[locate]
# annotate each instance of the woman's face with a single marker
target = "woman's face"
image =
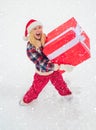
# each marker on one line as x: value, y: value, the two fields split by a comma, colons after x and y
x: 37, y: 32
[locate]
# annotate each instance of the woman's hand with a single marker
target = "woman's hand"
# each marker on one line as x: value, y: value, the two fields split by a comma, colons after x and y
x: 66, y: 67
x: 56, y: 67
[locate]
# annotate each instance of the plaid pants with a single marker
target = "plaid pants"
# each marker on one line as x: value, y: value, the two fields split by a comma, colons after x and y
x: 40, y: 82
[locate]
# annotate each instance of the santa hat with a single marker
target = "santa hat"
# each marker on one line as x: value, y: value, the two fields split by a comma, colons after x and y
x: 30, y: 25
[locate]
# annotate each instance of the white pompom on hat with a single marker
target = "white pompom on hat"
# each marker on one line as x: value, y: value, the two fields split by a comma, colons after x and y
x: 29, y: 26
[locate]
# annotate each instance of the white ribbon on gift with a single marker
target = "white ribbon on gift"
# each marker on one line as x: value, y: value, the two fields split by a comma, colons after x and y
x: 79, y: 38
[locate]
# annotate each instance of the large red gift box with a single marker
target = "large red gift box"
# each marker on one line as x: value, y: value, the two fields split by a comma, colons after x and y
x: 67, y: 44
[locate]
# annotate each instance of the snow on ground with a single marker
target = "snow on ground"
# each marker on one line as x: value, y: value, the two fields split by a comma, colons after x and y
x: 50, y: 111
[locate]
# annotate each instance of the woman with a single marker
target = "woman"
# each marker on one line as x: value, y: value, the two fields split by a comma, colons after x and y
x: 45, y: 70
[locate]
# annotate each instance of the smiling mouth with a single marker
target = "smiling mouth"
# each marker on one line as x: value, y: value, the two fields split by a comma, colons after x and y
x: 38, y: 35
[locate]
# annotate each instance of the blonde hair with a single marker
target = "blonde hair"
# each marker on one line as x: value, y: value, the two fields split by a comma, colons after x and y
x: 35, y: 42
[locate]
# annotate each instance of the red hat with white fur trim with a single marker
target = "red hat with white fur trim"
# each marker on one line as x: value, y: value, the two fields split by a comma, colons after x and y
x: 30, y: 25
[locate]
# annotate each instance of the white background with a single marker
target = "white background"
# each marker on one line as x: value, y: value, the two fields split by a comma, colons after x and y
x: 50, y: 111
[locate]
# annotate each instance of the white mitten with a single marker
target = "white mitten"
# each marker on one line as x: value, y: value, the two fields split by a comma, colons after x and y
x: 66, y: 67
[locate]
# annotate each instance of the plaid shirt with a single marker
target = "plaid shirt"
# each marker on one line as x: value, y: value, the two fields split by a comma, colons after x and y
x: 41, y: 62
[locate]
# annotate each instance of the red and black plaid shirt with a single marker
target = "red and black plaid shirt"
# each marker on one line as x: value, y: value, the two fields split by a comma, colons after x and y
x: 41, y: 62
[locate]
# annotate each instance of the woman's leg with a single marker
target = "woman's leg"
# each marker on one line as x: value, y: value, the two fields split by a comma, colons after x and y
x: 57, y: 80
x: 37, y: 86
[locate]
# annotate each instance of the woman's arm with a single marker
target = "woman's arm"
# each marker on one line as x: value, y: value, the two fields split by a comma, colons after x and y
x: 39, y: 59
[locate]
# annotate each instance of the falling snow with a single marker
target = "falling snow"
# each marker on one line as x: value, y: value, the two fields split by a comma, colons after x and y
x: 50, y: 111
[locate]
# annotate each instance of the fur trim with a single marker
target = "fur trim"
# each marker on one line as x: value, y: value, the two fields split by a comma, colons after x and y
x: 25, y: 38
x: 34, y: 24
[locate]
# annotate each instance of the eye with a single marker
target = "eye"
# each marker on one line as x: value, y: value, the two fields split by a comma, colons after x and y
x: 40, y: 27
x: 34, y: 28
